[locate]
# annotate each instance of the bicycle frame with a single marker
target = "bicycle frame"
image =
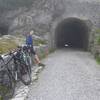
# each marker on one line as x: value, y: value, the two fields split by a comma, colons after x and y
x: 16, y: 61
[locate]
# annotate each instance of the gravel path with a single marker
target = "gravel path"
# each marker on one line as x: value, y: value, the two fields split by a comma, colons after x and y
x: 69, y: 75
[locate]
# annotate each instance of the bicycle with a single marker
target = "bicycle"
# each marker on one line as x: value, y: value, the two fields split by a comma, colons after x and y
x: 7, y: 83
x: 23, y: 70
x: 25, y: 57
x: 27, y: 52
x: 18, y: 70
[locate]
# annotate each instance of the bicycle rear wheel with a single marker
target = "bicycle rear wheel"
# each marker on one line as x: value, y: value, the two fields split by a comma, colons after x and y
x: 7, y: 85
x: 29, y: 61
x: 24, y: 73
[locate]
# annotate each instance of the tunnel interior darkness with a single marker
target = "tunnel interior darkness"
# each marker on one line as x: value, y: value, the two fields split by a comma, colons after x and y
x: 3, y: 29
x: 73, y: 32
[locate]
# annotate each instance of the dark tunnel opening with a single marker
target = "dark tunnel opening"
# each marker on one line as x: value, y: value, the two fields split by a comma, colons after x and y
x: 73, y: 32
x: 4, y: 29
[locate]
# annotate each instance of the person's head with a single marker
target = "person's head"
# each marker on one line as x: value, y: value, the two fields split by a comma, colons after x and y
x: 31, y: 32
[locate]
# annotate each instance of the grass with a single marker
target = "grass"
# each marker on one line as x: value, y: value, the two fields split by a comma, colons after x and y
x: 97, y: 37
x: 97, y: 55
x: 38, y: 42
x: 7, y: 45
x: 42, y: 55
x: 1, y: 98
x: 51, y: 50
x: 11, y: 42
x: 98, y: 59
x: 3, y: 91
x: 97, y: 30
x: 98, y: 40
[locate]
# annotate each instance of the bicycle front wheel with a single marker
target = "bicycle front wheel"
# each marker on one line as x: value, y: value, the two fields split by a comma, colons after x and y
x: 24, y: 73
x: 7, y: 85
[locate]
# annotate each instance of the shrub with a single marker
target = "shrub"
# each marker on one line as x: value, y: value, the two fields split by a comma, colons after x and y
x: 98, y: 36
x: 98, y: 59
x: 97, y: 30
x: 52, y: 50
x: 98, y: 40
x: 38, y: 42
x: 6, y: 45
x: 1, y: 98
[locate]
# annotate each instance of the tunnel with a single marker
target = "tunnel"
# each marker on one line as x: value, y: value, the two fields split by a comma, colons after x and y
x: 3, y: 29
x: 72, y: 32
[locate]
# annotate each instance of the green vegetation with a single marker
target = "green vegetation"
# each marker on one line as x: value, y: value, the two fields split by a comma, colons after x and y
x: 98, y: 59
x: 42, y: 55
x: 98, y: 36
x: 6, y: 45
x: 97, y: 30
x: 38, y: 42
x: 1, y: 98
x: 3, y: 91
x: 52, y: 50
x: 97, y: 39
x: 8, y: 42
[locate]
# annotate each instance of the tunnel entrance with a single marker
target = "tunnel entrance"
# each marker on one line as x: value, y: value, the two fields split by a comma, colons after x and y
x: 4, y: 27
x: 73, y: 32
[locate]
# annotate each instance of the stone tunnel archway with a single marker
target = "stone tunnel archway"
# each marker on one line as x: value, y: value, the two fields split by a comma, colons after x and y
x: 72, y: 31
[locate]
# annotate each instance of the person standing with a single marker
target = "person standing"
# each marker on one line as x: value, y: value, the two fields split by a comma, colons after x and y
x: 29, y: 42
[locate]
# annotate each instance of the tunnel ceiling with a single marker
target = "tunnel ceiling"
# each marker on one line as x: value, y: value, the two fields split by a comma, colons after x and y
x: 72, y: 31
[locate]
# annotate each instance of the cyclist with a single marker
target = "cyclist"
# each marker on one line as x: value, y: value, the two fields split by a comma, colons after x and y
x: 29, y: 42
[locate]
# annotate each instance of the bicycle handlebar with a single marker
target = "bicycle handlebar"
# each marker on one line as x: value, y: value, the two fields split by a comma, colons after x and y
x: 12, y: 52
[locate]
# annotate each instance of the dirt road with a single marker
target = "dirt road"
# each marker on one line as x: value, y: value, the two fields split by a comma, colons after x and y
x: 69, y: 75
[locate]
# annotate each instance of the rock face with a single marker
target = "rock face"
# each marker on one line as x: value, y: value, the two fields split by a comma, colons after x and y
x: 43, y: 16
